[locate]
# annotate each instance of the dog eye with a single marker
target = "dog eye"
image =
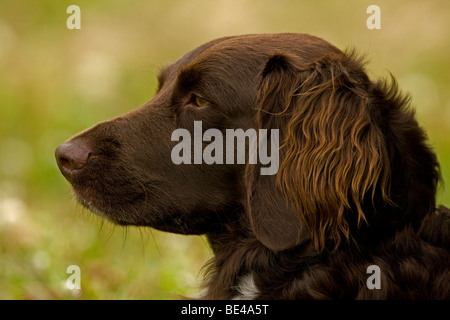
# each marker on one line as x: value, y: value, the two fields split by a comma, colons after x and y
x: 199, y: 102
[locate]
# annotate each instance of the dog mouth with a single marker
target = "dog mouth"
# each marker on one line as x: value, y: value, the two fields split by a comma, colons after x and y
x: 132, y: 209
x: 140, y: 212
x: 92, y: 206
x: 118, y: 208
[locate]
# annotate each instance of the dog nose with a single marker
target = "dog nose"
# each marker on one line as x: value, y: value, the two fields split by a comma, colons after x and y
x: 72, y: 157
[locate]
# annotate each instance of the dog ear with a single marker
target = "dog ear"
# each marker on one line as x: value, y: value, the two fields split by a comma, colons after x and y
x: 333, y: 156
x: 274, y: 221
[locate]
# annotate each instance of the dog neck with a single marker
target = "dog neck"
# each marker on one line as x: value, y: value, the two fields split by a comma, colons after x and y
x: 242, y: 264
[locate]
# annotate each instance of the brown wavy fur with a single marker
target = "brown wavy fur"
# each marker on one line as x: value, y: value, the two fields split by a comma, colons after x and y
x: 356, y: 184
x: 334, y: 155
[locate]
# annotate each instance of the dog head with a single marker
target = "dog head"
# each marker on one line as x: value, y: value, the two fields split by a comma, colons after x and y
x: 351, y: 155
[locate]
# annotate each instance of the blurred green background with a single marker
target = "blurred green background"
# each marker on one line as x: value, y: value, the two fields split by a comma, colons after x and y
x: 55, y: 82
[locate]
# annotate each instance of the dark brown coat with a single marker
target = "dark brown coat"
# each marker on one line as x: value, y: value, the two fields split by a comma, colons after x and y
x: 356, y: 184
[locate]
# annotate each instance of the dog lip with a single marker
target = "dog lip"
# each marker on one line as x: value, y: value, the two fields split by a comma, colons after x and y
x: 91, y: 203
x: 105, y: 206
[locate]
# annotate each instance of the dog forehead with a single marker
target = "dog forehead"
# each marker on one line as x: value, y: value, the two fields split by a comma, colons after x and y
x: 253, y: 50
x: 171, y: 70
x: 221, y: 53
x: 240, y: 56
x: 243, y: 57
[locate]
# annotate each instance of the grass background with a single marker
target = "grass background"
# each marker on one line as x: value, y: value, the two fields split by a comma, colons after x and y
x: 55, y: 82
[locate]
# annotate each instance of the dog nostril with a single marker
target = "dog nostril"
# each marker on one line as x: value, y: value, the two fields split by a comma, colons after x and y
x: 71, y: 156
x: 64, y: 163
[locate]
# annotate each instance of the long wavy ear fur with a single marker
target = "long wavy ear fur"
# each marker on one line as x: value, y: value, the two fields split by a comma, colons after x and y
x: 333, y: 155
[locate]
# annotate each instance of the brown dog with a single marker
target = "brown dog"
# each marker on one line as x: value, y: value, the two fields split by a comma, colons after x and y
x: 350, y: 212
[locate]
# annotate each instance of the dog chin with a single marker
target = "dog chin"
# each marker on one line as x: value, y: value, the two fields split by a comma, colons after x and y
x: 117, y: 215
x: 89, y: 204
x: 99, y: 210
